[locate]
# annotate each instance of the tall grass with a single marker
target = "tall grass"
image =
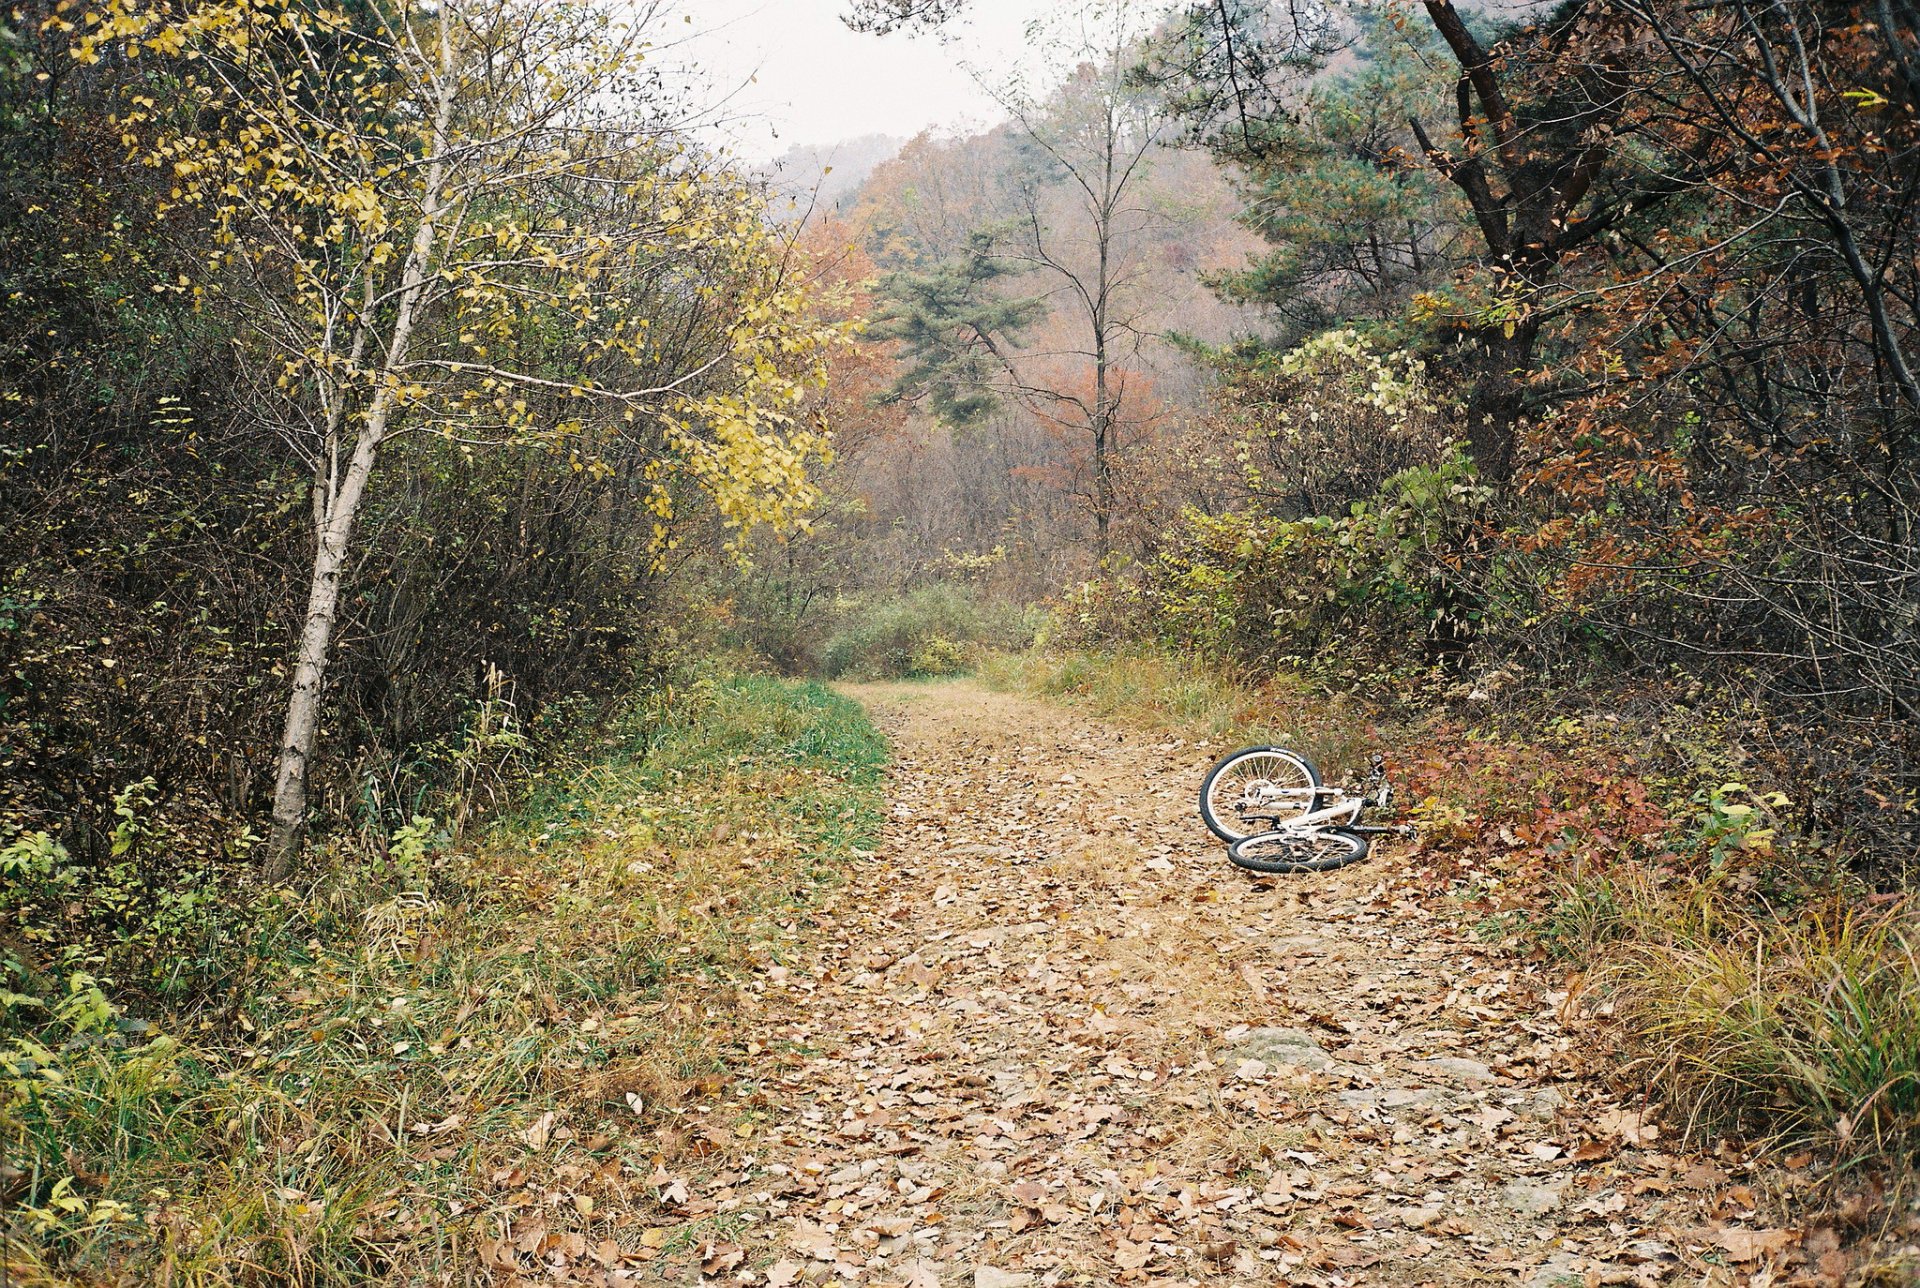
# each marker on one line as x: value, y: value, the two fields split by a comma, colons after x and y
x: 370, y: 1111
x: 1802, y: 1027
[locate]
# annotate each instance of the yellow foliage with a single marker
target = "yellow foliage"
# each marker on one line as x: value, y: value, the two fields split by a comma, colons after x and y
x: 417, y: 162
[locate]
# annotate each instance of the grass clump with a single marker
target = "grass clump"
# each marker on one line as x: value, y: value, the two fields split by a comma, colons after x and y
x: 935, y: 631
x: 508, y: 1039
x: 1802, y: 1028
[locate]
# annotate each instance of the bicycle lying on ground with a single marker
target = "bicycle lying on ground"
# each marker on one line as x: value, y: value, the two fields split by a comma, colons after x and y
x: 1276, y: 815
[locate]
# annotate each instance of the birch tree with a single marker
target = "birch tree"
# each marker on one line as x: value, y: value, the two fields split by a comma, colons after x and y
x: 401, y: 200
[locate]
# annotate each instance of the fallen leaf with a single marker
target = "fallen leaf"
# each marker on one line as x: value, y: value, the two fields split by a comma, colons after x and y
x: 541, y: 1131
x: 719, y: 1258
x: 810, y: 1239
x: 1751, y: 1245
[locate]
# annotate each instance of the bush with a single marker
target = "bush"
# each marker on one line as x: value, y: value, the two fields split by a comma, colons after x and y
x: 1382, y: 586
x: 939, y: 630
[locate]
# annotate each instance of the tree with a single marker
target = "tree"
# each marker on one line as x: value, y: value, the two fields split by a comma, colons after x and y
x: 882, y: 16
x: 1356, y: 222
x: 1091, y: 137
x: 1094, y: 136
x: 440, y: 218
x: 958, y: 337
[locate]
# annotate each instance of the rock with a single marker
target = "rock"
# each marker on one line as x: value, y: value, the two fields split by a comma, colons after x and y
x: 1543, y: 1104
x: 1409, y: 1098
x: 1529, y: 1199
x: 1284, y: 1046
x: 1390, y: 1098
x: 1420, y: 1218
x: 1455, y: 1069
x: 988, y: 1277
x: 1643, y: 1250
x: 1563, y: 1270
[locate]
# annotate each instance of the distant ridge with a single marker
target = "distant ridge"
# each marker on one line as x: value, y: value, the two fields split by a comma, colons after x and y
x: 823, y: 176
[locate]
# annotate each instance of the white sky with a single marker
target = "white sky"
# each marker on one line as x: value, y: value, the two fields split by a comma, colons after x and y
x: 819, y: 82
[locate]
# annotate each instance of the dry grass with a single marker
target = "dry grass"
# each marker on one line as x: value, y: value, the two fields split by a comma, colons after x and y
x: 1158, y: 691
x: 1804, y: 1027
x: 533, y: 1024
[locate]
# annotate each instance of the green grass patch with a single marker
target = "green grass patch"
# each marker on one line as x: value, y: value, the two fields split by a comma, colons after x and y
x: 533, y: 1013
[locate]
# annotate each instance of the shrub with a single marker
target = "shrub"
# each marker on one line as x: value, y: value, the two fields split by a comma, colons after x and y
x: 939, y: 630
x: 1387, y: 585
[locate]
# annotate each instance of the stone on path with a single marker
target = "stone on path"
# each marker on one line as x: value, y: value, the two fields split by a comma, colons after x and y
x: 1529, y: 1199
x: 1455, y: 1069
x: 1544, y: 1104
x: 1389, y: 1098
x: 1283, y: 1046
x: 1563, y: 1270
x: 988, y: 1277
x: 1419, y: 1218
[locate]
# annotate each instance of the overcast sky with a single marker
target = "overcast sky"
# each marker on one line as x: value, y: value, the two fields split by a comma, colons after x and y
x: 819, y: 82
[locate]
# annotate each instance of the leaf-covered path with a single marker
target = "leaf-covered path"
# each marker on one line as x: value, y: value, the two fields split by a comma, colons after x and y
x: 1049, y: 1035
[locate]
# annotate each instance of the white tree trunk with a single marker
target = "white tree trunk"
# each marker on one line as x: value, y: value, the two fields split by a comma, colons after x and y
x: 335, y: 512
x: 302, y: 729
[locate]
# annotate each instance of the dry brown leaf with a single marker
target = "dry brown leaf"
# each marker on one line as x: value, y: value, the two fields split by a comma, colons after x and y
x: 1751, y: 1245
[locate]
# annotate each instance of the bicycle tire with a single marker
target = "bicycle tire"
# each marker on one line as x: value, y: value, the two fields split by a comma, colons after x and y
x: 1321, y: 850
x: 1211, y: 817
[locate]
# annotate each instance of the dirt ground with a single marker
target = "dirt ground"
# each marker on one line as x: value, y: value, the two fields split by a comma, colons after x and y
x: 1051, y: 1036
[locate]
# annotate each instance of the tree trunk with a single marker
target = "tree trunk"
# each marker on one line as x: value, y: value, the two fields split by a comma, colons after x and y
x: 1498, y: 398
x: 303, y: 709
x: 1102, y: 488
x: 301, y: 732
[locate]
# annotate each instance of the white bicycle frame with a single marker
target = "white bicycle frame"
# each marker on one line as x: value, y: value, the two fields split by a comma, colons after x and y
x: 1345, y: 811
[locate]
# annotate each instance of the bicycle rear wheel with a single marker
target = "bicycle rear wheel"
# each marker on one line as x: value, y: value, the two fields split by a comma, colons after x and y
x: 1319, y: 850
x: 1256, y: 788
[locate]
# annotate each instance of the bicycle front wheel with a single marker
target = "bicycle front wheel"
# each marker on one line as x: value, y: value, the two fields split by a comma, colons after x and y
x: 1319, y: 850
x: 1255, y: 790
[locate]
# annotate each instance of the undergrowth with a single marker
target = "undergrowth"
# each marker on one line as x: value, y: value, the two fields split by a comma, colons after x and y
x: 1756, y: 987
x: 484, y: 1055
x: 934, y: 631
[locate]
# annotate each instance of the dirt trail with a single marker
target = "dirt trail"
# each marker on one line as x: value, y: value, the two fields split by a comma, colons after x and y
x: 1053, y: 1037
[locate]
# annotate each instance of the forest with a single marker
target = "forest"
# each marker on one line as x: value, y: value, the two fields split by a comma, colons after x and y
x: 511, y: 614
